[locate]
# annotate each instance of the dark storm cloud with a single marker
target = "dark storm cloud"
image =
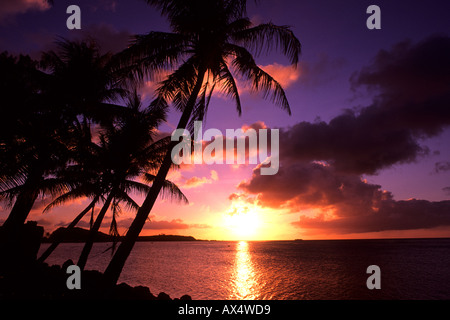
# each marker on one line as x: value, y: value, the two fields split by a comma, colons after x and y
x: 411, y: 84
x: 392, y: 215
x: 341, y: 203
x: 353, y: 143
x: 305, y: 185
x: 322, y: 163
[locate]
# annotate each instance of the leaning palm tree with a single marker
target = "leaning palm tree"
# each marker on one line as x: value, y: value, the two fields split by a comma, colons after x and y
x: 60, y: 238
x: 210, y: 39
x: 77, y: 83
x: 126, y: 151
x: 34, y: 146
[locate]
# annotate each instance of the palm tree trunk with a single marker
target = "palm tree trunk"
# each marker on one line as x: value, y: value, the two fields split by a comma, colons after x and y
x: 14, y: 249
x: 93, y: 232
x: 24, y: 202
x: 112, y: 272
x: 60, y: 239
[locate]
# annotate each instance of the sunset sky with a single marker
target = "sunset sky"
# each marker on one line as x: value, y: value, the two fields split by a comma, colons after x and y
x: 365, y: 153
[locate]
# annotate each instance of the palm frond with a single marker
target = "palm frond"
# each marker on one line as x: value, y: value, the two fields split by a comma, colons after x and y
x: 151, y: 53
x: 71, y: 195
x: 124, y: 197
x: 229, y: 86
x: 236, y: 8
x: 178, y: 85
x: 132, y: 185
x: 169, y: 189
x: 268, y: 36
x: 245, y: 65
x: 201, y: 106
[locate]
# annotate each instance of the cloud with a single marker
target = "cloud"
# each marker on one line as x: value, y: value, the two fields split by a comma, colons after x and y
x: 285, y: 75
x: 214, y: 175
x: 256, y: 126
x: 321, y: 71
x: 338, y: 202
x: 174, y: 224
x: 411, y: 102
x: 219, y: 141
x: 196, y: 182
x: 446, y: 190
x: 409, y: 72
x: 392, y: 215
x: 10, y: 8
x: 306, y: 185
x: 352, y: 142
x: 411, y: 82
x: 322, y: 164
x: 148, y: 89
x: 166, y: 225
x: 442, y: 166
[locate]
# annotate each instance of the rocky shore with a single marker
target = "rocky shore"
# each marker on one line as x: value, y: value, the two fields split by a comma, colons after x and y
x: 39, y: 281
x: 23, y: 277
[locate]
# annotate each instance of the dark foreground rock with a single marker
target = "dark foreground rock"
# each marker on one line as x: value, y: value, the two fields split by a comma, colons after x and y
x: 44, y: 282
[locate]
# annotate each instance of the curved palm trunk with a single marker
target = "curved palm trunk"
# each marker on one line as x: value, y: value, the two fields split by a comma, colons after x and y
x: 112, y: 272
x: 57, y: 241
x: 93, y: 232
x: 16, y: 248
x: 24, y: 202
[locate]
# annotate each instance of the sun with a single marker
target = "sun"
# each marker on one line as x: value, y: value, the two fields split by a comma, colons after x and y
x: 243, y: 221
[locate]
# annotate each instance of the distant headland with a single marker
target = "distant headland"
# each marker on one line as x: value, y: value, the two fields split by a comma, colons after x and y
x: 81, y: 235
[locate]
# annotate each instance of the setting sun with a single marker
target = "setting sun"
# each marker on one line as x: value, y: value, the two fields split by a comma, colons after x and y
x: 243, y: 222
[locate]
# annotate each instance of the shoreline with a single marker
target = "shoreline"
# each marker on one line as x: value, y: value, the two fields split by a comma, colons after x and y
x: 40, y: 281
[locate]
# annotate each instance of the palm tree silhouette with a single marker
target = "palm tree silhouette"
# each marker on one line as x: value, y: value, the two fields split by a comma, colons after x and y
x: 34, y: 146
x: 72, y: 225
x: 209, y: 38
x: 51, y: 109
x: 129, y: 152
x: 126, y: 150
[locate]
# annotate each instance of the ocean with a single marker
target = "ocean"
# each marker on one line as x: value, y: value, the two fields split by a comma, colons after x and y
x: 280, y: 270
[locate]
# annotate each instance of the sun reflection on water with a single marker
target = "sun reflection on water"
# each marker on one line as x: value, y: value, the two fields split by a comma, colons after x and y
x: 245, y: 286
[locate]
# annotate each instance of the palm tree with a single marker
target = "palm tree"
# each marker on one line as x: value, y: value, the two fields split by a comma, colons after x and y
x: 83, y: 81
x: 33, y: 146
x: 72, y: 225
x: 126, y: 151
x: 209, y: 38
x: 78, y: 81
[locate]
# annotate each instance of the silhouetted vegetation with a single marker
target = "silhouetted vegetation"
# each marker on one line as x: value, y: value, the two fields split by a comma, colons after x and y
x: 77, y: 234
x: 73, y: 127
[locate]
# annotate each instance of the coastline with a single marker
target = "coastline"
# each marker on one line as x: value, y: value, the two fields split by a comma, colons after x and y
x: 77, y: 235
x: 40, y: 281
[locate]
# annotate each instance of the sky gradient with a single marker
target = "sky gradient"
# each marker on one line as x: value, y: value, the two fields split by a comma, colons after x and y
x: 365, y: 153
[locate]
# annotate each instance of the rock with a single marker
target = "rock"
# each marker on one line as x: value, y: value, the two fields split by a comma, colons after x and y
x: 163, y: 296
x: 42, y: 281
x: 123, y: 291
x: 67, y: 264
x: 142, y: 293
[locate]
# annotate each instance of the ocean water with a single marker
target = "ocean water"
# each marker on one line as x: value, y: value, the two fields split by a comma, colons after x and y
x: 282, y: 270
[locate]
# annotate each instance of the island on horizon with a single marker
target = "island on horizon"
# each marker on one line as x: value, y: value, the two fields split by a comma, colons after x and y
x: 80, y: 235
